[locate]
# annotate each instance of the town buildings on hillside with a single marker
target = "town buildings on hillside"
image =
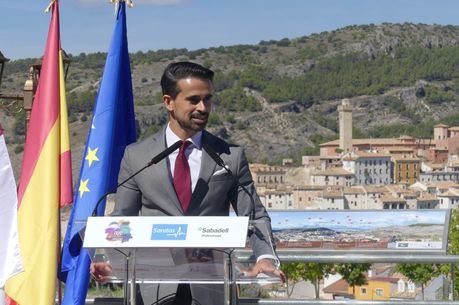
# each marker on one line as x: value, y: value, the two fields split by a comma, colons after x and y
x: 399, y: 173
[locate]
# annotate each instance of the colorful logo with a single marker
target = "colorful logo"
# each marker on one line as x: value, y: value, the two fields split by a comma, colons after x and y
x: 118, y: 231
x: 169, y: 231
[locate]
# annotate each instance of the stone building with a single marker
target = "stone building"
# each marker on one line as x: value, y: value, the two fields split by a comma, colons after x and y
x: 332, y: 176
x: 306, y: 197
x: 407, y: 169
x: 266, y: 175
x: 369, y: 168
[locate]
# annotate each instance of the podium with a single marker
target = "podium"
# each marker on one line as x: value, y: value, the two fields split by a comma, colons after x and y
x: 162, y: 251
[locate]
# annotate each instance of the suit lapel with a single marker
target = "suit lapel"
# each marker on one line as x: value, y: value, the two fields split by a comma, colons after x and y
x: 162, y: 171
x: 207, y: 169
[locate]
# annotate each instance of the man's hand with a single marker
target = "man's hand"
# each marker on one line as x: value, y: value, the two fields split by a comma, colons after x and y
x: 266, y: 265
x: 101, y: 271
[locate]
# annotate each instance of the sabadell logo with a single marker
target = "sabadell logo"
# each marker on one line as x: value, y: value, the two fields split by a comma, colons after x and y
x: 213, y: 230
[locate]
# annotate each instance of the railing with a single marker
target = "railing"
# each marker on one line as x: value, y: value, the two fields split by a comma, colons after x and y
x: 356, y: 256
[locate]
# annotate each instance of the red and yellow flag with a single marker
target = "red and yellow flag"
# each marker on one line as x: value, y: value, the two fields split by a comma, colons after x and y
x: 45, y: 183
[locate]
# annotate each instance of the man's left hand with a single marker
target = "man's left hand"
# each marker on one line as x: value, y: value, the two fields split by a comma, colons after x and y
x: 266, y: 265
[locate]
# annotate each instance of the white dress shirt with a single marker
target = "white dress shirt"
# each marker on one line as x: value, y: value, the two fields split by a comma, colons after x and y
x: 193, y: 154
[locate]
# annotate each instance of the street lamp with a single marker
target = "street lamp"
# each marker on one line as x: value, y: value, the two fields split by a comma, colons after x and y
x: 5, y: 99
x: 66, y: 60
x: 30, y: 87
x: 37, y: 65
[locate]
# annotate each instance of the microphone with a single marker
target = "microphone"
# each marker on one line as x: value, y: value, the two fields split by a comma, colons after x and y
x: 252, y: 228
x: 156, y: 159
x: 211, y: 152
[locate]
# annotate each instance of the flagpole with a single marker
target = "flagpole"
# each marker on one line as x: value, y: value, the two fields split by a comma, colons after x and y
x: 59, y: 283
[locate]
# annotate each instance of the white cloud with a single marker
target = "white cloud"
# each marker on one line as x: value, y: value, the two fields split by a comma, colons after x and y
x: 136, y: 2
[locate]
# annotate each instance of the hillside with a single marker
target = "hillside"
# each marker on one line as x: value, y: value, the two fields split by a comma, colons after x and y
x: 279, y: 98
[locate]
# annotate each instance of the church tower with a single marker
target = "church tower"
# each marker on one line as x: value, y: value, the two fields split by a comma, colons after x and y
x: 345, y: 125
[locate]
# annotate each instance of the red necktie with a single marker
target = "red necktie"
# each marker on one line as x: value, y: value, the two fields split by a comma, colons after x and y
x: 182, y: 177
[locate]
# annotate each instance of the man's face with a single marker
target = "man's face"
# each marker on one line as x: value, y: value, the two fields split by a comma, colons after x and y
x: 190, y: 110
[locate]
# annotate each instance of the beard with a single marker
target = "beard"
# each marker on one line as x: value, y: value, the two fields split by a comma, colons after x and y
x: 197, y: 121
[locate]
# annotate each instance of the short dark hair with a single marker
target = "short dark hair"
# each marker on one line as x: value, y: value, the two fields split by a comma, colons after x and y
x: 180, y: 70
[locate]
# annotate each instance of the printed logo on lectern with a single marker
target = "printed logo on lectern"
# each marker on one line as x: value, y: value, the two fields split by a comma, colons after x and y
x: 118, y: 231
x: 169, y: 231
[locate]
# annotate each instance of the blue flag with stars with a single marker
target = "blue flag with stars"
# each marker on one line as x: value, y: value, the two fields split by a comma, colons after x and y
x: 112, y: 128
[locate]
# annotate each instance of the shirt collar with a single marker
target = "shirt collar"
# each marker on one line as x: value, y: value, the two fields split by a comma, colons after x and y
x: 171, y: 138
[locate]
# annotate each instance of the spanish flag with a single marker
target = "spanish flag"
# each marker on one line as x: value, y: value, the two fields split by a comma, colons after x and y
x: 45, y: 183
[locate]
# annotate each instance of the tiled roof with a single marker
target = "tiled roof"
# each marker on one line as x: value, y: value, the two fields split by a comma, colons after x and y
x: 354, y: 190
x: 427, y: 197
x: 449, y: 193
x: 378, y: 141
x: 332, y: 172
x: 338, y: 287
x: 406, y: 158
x: 442, y: 184
x: 390, y: 198
x: 331, y: 194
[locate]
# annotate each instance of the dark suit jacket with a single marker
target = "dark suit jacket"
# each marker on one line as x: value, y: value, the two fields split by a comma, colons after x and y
x: 152, y: 193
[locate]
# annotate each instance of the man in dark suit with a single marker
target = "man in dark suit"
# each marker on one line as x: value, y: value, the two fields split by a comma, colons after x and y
x: 189, y: 182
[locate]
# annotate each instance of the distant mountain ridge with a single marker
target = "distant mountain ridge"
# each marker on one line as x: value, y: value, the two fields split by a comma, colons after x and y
x: 279, y: 98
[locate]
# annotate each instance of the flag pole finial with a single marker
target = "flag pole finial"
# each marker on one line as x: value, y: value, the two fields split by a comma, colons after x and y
x: 48, y: 8
x: 128, y: 2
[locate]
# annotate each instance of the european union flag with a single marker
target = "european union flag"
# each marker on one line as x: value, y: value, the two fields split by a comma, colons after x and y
x: 113, y: 127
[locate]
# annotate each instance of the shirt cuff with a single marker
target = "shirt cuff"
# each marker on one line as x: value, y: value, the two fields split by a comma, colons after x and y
x: 269, y: 256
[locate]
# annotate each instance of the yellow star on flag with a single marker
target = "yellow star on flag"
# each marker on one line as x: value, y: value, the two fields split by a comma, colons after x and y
x: 83, y: 187
x: 91, y: 156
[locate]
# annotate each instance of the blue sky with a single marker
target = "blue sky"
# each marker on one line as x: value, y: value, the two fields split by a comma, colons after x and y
x: 86, y: 25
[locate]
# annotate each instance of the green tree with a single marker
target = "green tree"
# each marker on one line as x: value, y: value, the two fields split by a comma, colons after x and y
x: 419, y: 273
x: 20, y: 124
x: 454, y: 246
x: 353, y: 274
x: 313, y: 272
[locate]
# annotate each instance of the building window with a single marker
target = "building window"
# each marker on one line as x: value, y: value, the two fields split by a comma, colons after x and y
x: 363, y: 290
x: 379, y: 292
x: 401, y: 286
